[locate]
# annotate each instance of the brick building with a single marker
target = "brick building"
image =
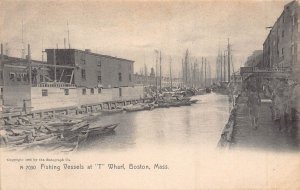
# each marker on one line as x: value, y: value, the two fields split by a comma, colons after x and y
x: 281, y: 47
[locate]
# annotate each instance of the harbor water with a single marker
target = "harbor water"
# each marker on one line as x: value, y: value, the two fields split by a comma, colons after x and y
x: 199, y: 124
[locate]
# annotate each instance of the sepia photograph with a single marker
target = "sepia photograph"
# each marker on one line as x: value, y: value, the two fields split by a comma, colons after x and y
x: 155, y: 94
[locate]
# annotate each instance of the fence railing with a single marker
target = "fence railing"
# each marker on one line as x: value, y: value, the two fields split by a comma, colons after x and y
x: 54, y: 84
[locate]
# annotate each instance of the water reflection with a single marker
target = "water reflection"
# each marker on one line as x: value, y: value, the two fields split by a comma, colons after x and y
x: 200, y: 123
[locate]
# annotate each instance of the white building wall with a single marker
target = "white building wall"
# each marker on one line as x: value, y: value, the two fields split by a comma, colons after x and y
x: 57, y: 99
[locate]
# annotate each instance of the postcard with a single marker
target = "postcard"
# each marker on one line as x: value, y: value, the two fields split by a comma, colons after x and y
x: 149, y: 94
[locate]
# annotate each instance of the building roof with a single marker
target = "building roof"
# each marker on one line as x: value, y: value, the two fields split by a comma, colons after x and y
x: 96, y: 54
x: 15, y: 61
x: 9, y: 59
x: 278, y: 19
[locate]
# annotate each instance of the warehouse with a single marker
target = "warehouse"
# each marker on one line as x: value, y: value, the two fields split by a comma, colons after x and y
x: 92, y: 70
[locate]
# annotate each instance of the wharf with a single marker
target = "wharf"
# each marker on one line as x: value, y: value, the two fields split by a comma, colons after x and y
x: 72, y: 110
x: 267, y: 136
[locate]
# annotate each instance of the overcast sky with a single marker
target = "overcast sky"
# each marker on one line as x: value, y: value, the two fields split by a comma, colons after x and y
x: 133, y: 30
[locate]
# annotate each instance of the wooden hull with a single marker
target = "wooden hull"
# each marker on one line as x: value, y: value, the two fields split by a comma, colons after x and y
x: 193, y: 101
x: 134, y: 109
x: 101, y: 130
x: 111, y: 111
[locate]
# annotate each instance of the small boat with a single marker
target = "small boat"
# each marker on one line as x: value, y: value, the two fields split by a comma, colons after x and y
x: 133, y: 108
x: 163, y: 105
x: 77, y: 118
x: 193, y: 101
x: 101, y: 130
x: 28, y: 145
x: 111, y: 111
x: 12, y: 139
x: 185, y: 98
x: 43, y: 137
x: 75, y: 137
x: 208, y: 90
x: 185, y: 103
x: 92, y: 116
x: 7, y: 122
x: 68, y: 133
x: 148, y: 107
x: 63, y: 123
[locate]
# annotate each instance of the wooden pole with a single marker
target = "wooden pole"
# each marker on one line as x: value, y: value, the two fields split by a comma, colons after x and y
x: 221, y: 62
x: 2, y: 55
x: 202, y: 72
x: 156, y: 72
x: 160, y: 75
x: 224, y: 64
x: 29, y: 65
x: 205, y: 73
x: 54, y: 61
x: 171, y: 73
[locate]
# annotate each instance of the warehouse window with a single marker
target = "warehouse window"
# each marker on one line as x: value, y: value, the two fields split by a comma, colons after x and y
x: 18, y: 77
x: 82, y: 59
x: 83, y: 91
x: 130, y: 77
x: 83, y: 74
x: 120, y: 77
x: 66, y: 92
x: 99, y: 79
x: 41, y: 78
x: 25, y: 77
x: 92, y: 91
x: 120, y: 92
x: 11, y: 76
x: 99, y: 63
x: 99, y: 90
x: 44, y: 92
x: 293, y: 20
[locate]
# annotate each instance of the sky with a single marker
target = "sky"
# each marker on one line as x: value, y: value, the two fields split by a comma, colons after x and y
x: 135, y: 29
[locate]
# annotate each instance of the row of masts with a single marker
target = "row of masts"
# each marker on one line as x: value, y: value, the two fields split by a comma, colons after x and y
x: 196, y: 73
x: 23, y: 56
x: 223, y: 65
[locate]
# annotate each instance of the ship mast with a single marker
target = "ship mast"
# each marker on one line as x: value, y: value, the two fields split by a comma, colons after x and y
x: 23, y: 46
x: 156, y: 71
x: 68, y: 35
x: 205, y: 73
x: 224, y: 64
x: 160, y: 70
x: 221, y: 67
x: 171, y: 73
x: 228, y: 56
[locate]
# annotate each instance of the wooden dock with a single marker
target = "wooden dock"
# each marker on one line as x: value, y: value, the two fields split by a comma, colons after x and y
x: 72, y: 110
